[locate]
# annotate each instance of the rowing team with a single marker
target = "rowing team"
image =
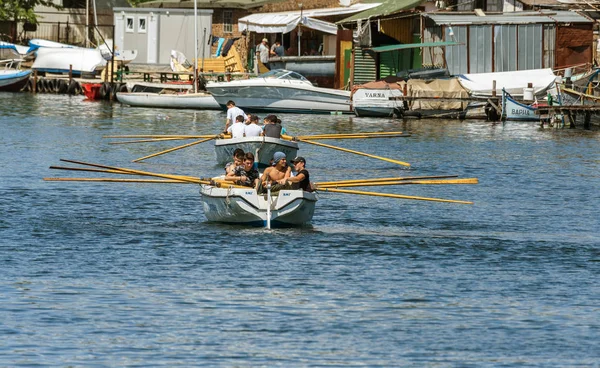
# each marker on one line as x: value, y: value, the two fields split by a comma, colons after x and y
x: 279, y: 176
x: 240, y: 125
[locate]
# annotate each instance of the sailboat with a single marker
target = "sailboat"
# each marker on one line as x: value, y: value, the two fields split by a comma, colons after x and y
x: 199, y: 100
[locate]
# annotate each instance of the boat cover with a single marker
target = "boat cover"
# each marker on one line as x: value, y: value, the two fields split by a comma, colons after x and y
x: 436, y: 94
x: 480, y: 84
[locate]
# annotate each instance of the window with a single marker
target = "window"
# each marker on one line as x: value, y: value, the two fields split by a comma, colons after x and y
x: 129, y: 24
x: 142, y: 24
x: 227, y: 21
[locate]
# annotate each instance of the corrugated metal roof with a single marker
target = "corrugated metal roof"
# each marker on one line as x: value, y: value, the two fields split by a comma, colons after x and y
x: 412, y: 46
x: 525, y: 17
x: 387, y: 7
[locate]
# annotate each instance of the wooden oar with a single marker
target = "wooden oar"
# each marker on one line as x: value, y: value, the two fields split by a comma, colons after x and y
x: 112, y: 180
x: 386, y: 179
x: 356, y: 152
x: 175, y: 149
x: 159, y: 136
x: 390, y: 195
x: 151, y: 140
x: 190, y: 179
x: 350, y: 136
x: 90, y: 170
x: 403, y: 182
x: 101, y: 171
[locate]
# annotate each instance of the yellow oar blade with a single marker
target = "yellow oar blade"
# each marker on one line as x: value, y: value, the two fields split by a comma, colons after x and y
x: 174, y: 149
x: 113, y: 180
x: 386, y: 179
x: 402, y: 182
x: 356, y: 152
x: 390, y: 195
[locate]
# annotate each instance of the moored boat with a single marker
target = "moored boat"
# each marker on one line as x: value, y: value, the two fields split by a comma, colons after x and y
x: 263, y: 148
x: 200, y: 101
x: 12, y: 80
x: 244, y: 206
x: 515, y: 110
x: 280, y: 91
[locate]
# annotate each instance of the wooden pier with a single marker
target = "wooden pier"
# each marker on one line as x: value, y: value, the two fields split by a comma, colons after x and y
x: 571, y: 112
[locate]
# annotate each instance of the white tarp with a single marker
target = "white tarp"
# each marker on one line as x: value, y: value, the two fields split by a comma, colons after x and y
x: 285, y: 22
x: 480, y: 84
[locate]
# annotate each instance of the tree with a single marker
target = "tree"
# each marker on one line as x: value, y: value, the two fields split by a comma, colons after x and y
x: 22, y: 10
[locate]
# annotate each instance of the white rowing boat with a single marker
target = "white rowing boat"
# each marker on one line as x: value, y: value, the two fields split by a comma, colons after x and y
x: 263, y: 148
x: 198, y: 101
x: 244, y: 206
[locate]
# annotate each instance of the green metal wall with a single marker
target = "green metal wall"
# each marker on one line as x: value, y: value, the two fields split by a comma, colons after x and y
x: 365, y: 66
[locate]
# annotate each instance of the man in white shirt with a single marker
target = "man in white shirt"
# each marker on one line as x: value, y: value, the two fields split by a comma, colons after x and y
x: 232, y: 113
x: 252, y: 129
x: 237, y: 129
x: 263, y: 52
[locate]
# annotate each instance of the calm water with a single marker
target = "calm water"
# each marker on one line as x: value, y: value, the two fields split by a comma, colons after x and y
x: 132, y: 275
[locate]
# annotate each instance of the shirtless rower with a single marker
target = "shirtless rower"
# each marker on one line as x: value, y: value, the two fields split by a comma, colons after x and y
x: 280, y: 170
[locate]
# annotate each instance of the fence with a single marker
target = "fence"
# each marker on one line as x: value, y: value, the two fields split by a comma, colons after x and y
x: 65, y: 32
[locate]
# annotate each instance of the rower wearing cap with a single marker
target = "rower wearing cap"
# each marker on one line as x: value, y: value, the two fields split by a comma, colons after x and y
x: 302, y: 178
x: 275, y: 173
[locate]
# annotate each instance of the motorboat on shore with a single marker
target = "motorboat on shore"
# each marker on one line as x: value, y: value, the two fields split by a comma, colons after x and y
x: 262, y: 147
x: 12, y: 80
x: 198, y: 101
x: 515, y: 82
x: 63, y: 59
x: 244, y: 206
x: 280, y: 90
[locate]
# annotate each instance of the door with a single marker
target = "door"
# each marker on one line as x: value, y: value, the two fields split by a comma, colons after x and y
x: 152, y: 39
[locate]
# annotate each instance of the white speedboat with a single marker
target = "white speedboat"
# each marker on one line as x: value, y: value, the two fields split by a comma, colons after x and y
x: 244, y: 206
x: 263, y: 148
x: 280, y: 91
x: 199, y: 101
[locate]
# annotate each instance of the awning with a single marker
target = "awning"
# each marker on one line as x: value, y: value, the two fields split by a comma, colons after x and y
x: 285, y: 22
x: 413, y: 46
x: 387, y: 7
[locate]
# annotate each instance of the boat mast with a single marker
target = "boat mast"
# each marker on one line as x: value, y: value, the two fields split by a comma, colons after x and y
x: 196, y: 46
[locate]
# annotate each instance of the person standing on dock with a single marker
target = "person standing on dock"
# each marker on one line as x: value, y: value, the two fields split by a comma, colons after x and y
x: 263, y: 53
x: 232, y: 113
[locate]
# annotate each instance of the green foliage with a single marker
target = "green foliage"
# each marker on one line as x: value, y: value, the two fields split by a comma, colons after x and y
x: 22, y: 10
x: 135, y: 3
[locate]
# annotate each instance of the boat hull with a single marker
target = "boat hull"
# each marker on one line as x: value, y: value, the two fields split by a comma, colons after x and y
x: 377, y: 102
x: 516, y: 111
x: 241, y: 206
x: 282, y: 97
x: 199, y: 101
x: 263, y: 148
x: 59, y: 60
x: 13, y: 80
